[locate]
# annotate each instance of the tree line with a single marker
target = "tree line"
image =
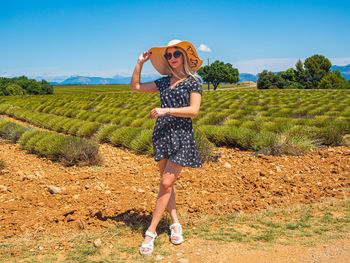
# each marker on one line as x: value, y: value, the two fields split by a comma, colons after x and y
x: 314, y: 73
x: 24, y: 86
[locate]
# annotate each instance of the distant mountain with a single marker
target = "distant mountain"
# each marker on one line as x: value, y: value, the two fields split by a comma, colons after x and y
x: 247, y: 77
x: 117, y: 79
x: 84, y: 80
x: 344, y: 70
x: 87, y: 80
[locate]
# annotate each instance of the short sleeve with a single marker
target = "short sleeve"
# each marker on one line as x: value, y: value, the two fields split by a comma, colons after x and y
x: 195, y: 85
x: 160, y: 83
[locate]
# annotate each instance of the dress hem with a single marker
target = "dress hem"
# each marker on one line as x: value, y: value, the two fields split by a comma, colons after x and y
x: 183, y: 165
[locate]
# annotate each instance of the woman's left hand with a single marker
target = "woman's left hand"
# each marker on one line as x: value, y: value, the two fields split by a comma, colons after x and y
x: 156, y: 112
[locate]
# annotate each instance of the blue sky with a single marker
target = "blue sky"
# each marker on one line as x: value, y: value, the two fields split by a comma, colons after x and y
x: 56, y: 39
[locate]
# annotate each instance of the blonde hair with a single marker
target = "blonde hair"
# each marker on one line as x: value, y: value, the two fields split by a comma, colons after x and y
x: 187, y: 67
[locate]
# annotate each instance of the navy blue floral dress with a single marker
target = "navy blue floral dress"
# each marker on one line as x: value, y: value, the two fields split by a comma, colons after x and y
x: 173, y: 136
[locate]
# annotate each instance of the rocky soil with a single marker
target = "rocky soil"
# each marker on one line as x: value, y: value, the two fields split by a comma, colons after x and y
x: 38, y: 194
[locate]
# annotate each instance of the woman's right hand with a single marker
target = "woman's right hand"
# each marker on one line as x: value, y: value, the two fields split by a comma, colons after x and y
x: 144, y: 57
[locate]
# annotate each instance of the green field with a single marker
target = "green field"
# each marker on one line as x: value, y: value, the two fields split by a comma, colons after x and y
x: 74, y: 89
x: 266, y: 121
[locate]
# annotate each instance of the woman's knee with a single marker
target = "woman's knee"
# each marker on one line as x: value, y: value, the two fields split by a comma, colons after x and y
x: 167, y: 181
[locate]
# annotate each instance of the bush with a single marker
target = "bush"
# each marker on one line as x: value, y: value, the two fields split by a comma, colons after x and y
x: 276, y: 126
x: 137, y: 123
x: 67, y: 125
x: 4, y: 107
x: 88, y: 129
x: 149, y: 124
x: 117, y: 120
x: 233, y: 123
x: 293, y: 145
x: 11, y: 131
x: 253, y: 125
x: 93, y: 116
x: 124, y: 135
x: 331, y: 135
x: 59, y: 124
x: 219, y: 135
x: 83, y: 115
x: 51, y: 123
x: 342, y: 125
x: 48, y: 109
x: 27, y: 136
x: 103, y: 134
x: 75, y: 150
x: 126, y: 121
x: 241, y: 137
x: 142, y: 143
x: 69, y: 113
x: 212, y: 119
x: 229, y: 136
x: 48, y: 145
x: 206, y: 149
x: 297, y: 130
x: 264, y: 140
x: 73, y: 129
x: 68, y: 150
x: 104, y: 118
x: 211, y: 132
x: 31, y: 142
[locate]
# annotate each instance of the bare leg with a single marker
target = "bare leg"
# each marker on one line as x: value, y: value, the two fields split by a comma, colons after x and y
x: 169, y: 176
x: 172, y: 207
x: 172, y: 211
x: 172, y: 203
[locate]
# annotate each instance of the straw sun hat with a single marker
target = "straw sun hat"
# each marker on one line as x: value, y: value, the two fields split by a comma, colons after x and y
x: 160, y: 64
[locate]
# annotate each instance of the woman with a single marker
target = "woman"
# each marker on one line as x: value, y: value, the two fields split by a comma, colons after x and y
x: 173, y: 138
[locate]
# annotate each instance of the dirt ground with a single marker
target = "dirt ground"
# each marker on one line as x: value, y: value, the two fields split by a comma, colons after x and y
x: 127, y: 184
x: 335, y: 251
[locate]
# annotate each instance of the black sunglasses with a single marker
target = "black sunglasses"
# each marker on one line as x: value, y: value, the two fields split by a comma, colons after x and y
x: 169, y: 55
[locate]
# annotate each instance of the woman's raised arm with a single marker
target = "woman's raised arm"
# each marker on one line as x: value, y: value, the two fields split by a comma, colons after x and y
x: 135, y: 84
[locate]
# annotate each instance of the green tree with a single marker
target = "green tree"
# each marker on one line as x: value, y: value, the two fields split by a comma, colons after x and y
x: 14, y: 89
x: 270, y: 80
x: 316, y: 67
x: 219, y: 72
x: 333, y: 80
x: 265, y: 79
x: 46, y: 87
x: 289, y: 75
x: 300, y: 74
x: 279, y: 81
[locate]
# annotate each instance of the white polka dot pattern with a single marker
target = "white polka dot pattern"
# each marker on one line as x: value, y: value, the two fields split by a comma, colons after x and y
x: 173, y: 136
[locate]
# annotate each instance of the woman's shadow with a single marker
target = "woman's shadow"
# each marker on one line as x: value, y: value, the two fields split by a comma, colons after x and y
x: 137, y: 221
